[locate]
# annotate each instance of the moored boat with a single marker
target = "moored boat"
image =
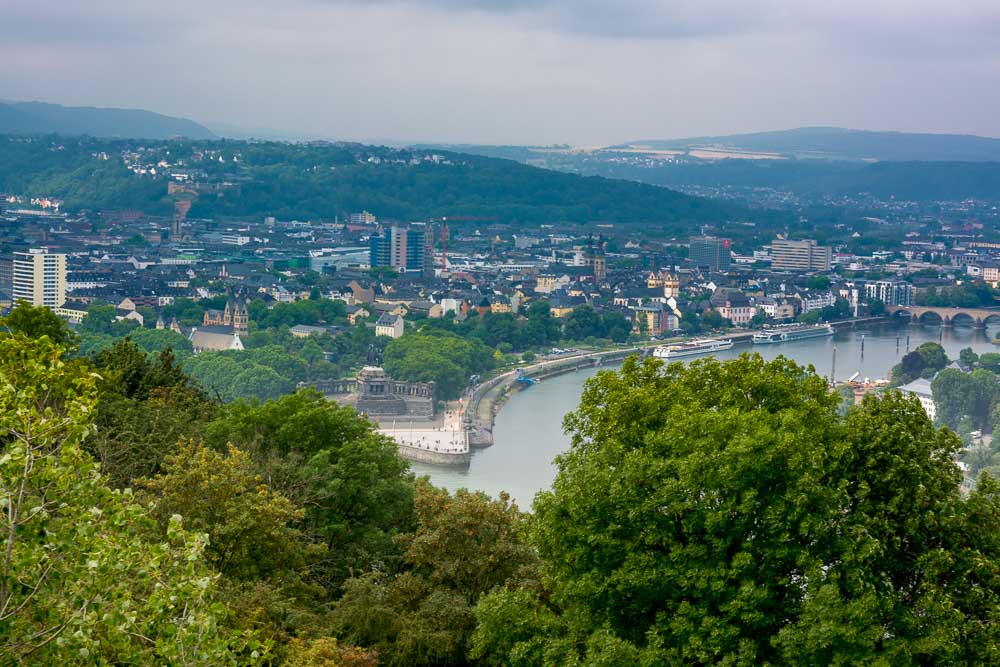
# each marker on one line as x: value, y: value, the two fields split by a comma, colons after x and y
x: 692, y: 347
x: 782, y: 334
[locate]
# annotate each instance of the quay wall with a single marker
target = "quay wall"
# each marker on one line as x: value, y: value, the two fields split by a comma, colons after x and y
x: 430, y: 456
x: 487, y: 398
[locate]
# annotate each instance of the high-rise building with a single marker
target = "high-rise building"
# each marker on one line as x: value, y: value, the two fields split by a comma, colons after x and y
x: 805, y: 255
x: 362, y: 218
x: 401, y: 248
x: 890, y: 292
x: 710, y: 252
x: 39, y: 277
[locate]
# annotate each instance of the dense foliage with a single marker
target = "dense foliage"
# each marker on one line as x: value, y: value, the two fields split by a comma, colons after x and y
x: 924, y: 181
x: 321, y: 180
x: 743, y: 521
x: 437, y: 356
x: 716, y: 513
x: 925, y: 362
x: 966, y: 295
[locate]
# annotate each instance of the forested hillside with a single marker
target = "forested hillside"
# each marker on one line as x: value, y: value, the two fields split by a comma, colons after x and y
x: 324, y: 180
x: 911, y: 180
x: 42, y: 118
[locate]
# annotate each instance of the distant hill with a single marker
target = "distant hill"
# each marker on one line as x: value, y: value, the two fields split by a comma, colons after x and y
x: 321, y: 180
x: 842, y: 144
x: 43, y: 118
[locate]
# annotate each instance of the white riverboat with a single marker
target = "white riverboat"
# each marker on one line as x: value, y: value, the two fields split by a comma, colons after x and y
x: 692, y: 347
x: 781, y: 334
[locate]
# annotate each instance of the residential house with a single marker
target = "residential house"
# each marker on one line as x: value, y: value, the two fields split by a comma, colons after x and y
x: 921, y: 388
x: 389, y: 325
x: 355, y: 313
x: 733, y: 305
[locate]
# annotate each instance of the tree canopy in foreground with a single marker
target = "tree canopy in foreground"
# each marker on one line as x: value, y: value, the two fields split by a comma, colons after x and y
x: 725, y: 513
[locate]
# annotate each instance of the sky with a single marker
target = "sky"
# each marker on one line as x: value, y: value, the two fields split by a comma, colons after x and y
x: 583, y: 72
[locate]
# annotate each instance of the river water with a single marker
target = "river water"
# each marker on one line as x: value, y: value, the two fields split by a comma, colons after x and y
x: 528, y: 431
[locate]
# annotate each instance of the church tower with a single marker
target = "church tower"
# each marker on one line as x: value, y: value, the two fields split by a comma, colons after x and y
x: 240, y: 316
x: 227, y: 314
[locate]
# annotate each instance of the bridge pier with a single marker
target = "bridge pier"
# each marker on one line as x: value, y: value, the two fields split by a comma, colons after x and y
x: 979, y: 324
x: 946, y: 322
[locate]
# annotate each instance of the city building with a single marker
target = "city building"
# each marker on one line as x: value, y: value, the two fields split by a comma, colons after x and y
x: 39, y: 277
x: 710, y: 252
x: 362, y: 218
x: 669, y: 283
x: 890, y: 292
x: 402, y: 248
x: 595, y: 258
x: 817, y: 301
x: 235, y: 315
x: 654, y: 319
x: 733, y: 305
x: 215, y: 339
x: 389, y: 325
x: 921, y: 388
x: 805, y: 255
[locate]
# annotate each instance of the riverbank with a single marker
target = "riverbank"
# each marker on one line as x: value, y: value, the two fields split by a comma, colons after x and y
x: 441, y: 441
x: 528, y: 433
x: 488, y: 398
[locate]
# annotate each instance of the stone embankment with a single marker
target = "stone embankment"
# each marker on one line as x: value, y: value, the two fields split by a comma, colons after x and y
x: 486, y: 398
x: 443, y: 441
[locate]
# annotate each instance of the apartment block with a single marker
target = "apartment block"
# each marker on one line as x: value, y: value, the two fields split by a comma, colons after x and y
x: 39, y: 277
x: 890, y: 292
x: 805, y: 255
x: 710, y: 252
x: 402, y: 248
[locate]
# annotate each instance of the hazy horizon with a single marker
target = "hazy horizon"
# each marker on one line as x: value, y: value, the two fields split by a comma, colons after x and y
x: 516, y: 71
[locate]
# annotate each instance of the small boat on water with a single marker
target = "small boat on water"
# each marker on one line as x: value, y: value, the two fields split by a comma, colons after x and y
x: 692, y: 347
x: 782, y: 334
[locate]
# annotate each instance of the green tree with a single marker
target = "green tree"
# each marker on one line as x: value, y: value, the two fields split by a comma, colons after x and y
x: 38, y: 321
x: 158, y: 340
x: 147, y: 404
x: 80, y: 583
x: 252, y: 529
x: 743, y: 520
x: 968, y: 358
x: 583, y: 322
x: 818, y: 282
x: 439, y: 357
x: 464, y: 546
x: 100, y: 319
x: 990, y: 361
x: 934, y: 356
x: 958, y: 394
x: 356, y: 490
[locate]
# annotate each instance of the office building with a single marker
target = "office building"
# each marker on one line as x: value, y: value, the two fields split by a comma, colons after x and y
x: 709, y: 252
x: 402, y: 248
x: 805, y: 255
x: 362, y: 218
x: 890, y: 292
x: 39, y: 277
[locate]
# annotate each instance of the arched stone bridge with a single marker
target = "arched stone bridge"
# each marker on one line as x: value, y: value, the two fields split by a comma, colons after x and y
x: 977, y: 317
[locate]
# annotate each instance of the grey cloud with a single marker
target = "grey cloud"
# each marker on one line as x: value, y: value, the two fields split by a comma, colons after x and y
x: 924, y: 21
x: 516, y: 71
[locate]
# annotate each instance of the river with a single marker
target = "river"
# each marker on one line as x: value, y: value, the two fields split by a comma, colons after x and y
x: 528, y: 432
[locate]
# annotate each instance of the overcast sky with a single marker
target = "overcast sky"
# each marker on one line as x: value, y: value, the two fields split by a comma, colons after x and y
x: 516, y: 71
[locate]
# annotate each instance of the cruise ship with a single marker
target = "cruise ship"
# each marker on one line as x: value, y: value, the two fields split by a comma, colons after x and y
x: 782, y: 334
x: 692, y: 347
